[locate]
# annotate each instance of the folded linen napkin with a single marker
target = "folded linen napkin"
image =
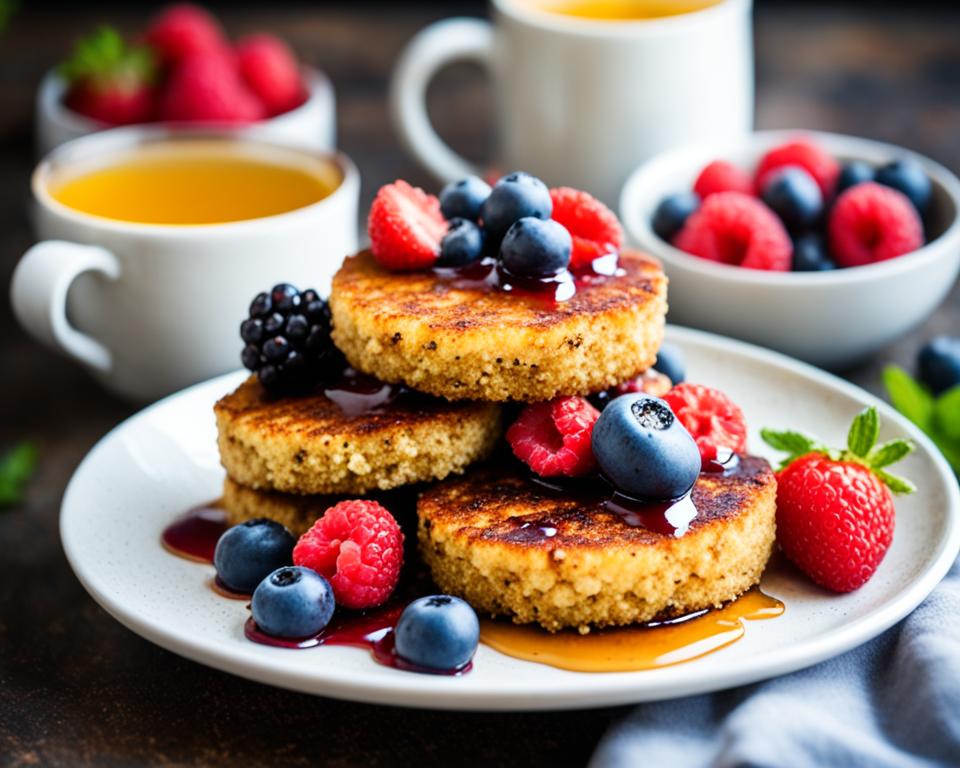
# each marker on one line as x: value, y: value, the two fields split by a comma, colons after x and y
x: 892, y: 703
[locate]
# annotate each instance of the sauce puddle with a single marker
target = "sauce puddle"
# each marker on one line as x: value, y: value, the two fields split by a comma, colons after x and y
x: 632, y: 649
x: 195, y: 533
x: 194, y: 536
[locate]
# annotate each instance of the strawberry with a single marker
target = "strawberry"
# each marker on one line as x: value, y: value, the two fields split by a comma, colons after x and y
x: 594, y: 228
x: 270, y: 70
x: 205, y: 87
x: 183, y: 30
x: 405, y: 227
x: 835, y: 512
x: 108, y: 81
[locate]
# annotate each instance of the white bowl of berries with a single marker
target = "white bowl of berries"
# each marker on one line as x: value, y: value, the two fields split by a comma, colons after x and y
x: 823, y: 246
x: 185, y: 70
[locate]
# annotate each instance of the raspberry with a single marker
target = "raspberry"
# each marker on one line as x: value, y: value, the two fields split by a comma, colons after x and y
x: 206, y: 87
x: 554, y: 438
x: 870, y: 222
x: 594, y: 228
x: 405, y: 227
x: 270, y: 69
x: 358, y: 547
x: 183, y: 30
x: 722, y: 176
x: 805, y: 154
x: 713, y: 419
x: 734, y: 228
x: 835, y: 520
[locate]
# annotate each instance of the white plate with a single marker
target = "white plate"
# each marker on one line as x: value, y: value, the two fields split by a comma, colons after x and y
x: 164, y: 460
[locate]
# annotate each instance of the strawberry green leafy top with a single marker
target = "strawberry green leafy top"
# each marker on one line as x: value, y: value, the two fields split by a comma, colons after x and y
x: 861, y: 448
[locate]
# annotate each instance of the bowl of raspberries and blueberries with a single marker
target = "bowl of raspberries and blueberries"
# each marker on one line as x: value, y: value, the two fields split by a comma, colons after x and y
x: 823, y: 246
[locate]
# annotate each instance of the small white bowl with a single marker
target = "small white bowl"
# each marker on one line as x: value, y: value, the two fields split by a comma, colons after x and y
x: 833, y: 319
x: 312, y: 125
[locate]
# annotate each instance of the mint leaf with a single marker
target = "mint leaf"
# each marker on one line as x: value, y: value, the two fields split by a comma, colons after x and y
x: 946, y: 414
x: 16, y: 467
x: 909, y: 397
x: 864, y: 432
x: 895, y: 483
x: 889, y: 453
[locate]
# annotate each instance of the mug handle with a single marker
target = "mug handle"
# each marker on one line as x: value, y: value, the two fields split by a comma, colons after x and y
x: 429, y: 52
x: 38, y: 294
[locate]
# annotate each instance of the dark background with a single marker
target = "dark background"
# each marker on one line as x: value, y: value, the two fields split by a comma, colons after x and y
x: 76, y: 688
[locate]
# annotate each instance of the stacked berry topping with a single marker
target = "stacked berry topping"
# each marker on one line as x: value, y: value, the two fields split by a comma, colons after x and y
x: 530, y: 231
x: 184, y: 70
x: 648, y: 448
x: 802, y: 210
x: 349, y: 561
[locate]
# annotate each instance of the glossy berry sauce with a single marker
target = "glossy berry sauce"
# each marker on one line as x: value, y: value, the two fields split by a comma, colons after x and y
x: 670, y: 518
x: 373, y: 630
x: 488, y: 275
x: 194, y: 535
x: 357, y: 394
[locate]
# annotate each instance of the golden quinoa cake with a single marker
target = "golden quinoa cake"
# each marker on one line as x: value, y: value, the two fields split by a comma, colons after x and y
x: 514, y: 548
x: 467, y: 340
x: 309, y: 444
x: 294, y: 511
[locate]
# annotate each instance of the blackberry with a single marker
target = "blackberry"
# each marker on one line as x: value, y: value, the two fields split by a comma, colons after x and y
x: 287, y: 338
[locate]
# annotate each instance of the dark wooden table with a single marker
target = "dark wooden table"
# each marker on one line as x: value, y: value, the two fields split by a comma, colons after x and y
x: 76, y: 688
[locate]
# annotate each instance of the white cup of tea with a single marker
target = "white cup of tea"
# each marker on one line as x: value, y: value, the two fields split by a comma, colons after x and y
x: 580, y: 101
x: 153, y: 243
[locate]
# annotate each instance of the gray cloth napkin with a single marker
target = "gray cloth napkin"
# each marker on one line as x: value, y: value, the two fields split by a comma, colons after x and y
x: 893, y: 702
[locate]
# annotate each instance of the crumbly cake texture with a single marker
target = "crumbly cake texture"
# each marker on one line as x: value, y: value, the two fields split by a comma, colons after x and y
x: 478, y: 537
x: 475, y: 343
x: 294, y: 511
x: 307, y: 445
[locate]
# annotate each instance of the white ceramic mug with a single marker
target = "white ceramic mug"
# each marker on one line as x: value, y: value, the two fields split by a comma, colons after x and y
x: 582, y: 102
x: 151, y: 308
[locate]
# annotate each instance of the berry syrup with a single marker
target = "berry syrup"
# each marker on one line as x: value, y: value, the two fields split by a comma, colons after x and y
x: 194, y: 535
x: 487, y: 274
x: 670, y: 518
x: 373, y: 630
x: 357, y: 394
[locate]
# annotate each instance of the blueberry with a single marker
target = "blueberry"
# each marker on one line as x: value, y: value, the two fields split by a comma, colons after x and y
x: 810, y: 255
x: 644, y: 450
x: 536, y: 248
x: 514, y: 197
x: 672, y: 214
x: 463, y: 244
x: 854, y: 172
x: 909, y: 177
x: 247, y: 553
x: 292, y: 602
x: 670, y: 363
x: 438, y: 632
x: 463, y: 199
x: 794, y: 195
x: 939, y: 363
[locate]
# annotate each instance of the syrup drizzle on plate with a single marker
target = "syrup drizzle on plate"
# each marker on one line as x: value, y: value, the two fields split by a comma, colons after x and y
x: 194, y: 536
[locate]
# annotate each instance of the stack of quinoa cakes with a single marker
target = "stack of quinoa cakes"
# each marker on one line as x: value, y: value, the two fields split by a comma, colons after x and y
x: 512, y: 309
